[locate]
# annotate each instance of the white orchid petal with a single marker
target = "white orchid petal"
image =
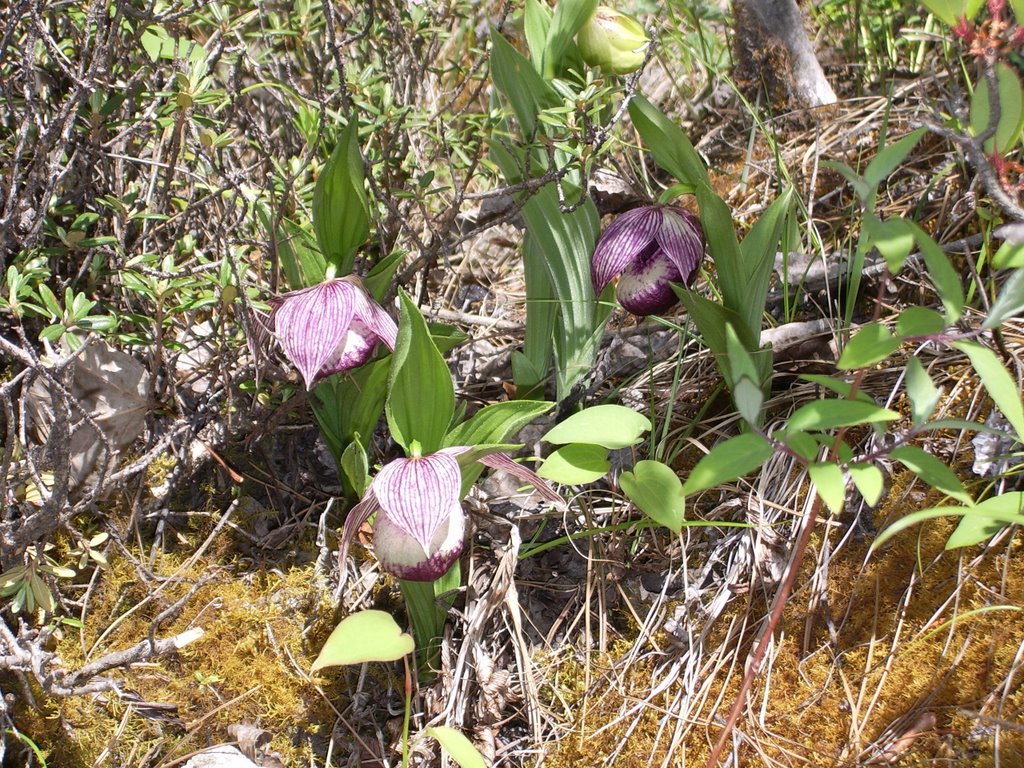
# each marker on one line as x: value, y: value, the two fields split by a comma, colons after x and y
x: 403, y: 555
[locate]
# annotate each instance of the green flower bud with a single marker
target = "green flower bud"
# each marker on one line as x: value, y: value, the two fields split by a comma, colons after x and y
x: 613, y: 41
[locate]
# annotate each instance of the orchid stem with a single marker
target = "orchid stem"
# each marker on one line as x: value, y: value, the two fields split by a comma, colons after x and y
x: 408, y: 712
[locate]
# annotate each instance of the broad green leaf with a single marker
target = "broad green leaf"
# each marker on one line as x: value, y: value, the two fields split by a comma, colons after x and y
x: 301, y: 260
x: 611, y: 426
x: 569, y: 16
x: 977, y: 525
x: 341, y: 212
x: 740, y: 363
x: 656, y: 489
x: 923, y: 393
x: 872, y: 343
x: 1011, y: 109
x: 362, y: 637
x: 669, y: 146
x: 869, y: 480
x: 1006, y: 509
x: 458, y: 746
x: 566, y: 242
x: 951, y: 11
x: 804, y: 444
x: 860, y: 187
x: 421, y: 396
x: 356, y: 467
x: 828, y: 482
x: 828, y: 414
x: 891, y: 157
x: 1001, y: 387
x: 716, y: 220
x: 350, y: 404
x: 727, y: 461
x: 712, y: 319
x: 379, y: 279
x: 944, y: 277
x: 1009, y: 303
x: 758, y: 251
x: 516, y: 77
x: 919, y: 321
x: 893, y: 238
x: 530, y: 367
x: 1009, y: 254
x: 576, y: 464
x: 932, y: 471
x: 496, y: 422
x: 748, y: 398
x: 536, y: 21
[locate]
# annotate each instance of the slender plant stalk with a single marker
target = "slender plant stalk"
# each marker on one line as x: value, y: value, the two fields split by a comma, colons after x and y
x: 786, y: 588
x: 408, y: 712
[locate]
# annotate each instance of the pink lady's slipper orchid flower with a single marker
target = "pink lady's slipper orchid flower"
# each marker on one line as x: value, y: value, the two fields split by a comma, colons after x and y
x: 651, y: 248
x: 331, y: 327
x: 420, y: 526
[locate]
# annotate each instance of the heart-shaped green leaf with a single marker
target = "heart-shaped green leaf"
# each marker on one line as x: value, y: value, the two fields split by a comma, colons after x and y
x: 613, y: 426
x: 364, y: 636
x: 576, y: 464
x: 657, y: 491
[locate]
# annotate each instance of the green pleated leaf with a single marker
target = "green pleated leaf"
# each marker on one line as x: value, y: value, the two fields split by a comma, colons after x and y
x: 656, y: 489
x: 421, y: 396
x: 669, y: 146
x: 871, y: 344
x: 362, y: 637
x: 576, y: 464
x: 569, y: 16
x: 727, y: 461
x: 932, y: 471
x: 516, y: 77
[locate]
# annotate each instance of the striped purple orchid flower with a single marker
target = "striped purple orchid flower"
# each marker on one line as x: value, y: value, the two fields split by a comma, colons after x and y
x: 331, y: 327
x: 651, y: 248
x: 420, y: 527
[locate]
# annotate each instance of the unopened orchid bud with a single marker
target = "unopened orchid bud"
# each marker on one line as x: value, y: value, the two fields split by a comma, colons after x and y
x: 613, y: 41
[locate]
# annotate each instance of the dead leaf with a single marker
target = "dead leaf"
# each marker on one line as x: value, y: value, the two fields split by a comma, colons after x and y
x: 221, y: 756
x: 251, y: 738
x: 109, y: 385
